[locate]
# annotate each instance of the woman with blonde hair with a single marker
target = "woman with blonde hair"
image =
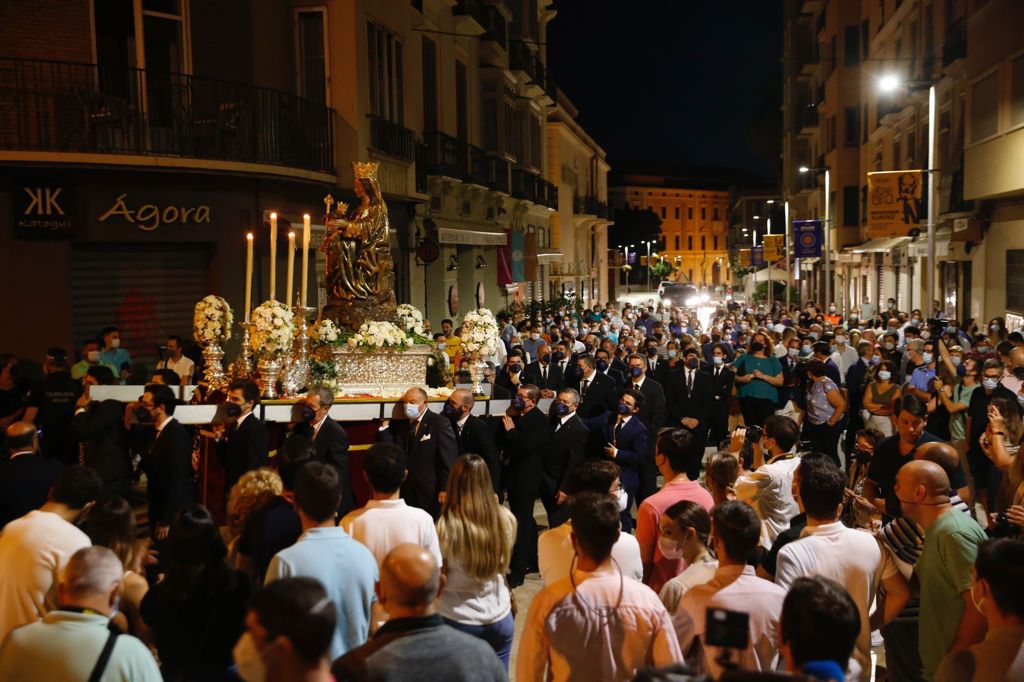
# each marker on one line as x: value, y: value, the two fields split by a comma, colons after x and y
x: 253, y: 491
x: 476, y: 536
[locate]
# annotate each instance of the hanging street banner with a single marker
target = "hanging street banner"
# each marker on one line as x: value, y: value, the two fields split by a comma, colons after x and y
x: 807, y: 237
x: 894, y: 203
x: 774, y: 244
x: 757, y: 256
x: 744, y: 258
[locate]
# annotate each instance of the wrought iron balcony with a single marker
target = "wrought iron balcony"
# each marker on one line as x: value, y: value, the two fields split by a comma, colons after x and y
x: 392, y: 139
x: 76, y: 107
x: 588, y: 205
x: 547, y: 194
x: 479, y: 173
x: 521, y: 58
x: 807, y: 120
x: 498, y: 174
x: 446, y: 155
x: 524, y: 184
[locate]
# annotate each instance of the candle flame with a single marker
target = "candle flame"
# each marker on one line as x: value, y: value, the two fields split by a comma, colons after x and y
x: 306, y: 216
x: 248, y: 235
x: 273, y: 215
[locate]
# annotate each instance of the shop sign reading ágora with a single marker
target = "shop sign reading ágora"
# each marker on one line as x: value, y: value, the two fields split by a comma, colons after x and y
x: 148, y: 217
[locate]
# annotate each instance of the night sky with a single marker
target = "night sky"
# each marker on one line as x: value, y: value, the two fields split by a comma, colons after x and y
x: 693, y: 82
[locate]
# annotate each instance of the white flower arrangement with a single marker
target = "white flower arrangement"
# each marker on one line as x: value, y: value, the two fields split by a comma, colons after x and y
x: 212, y: 321
x: 410, y: 319
x: 324, y: 332
x: 273, y: 329
x: 378, y: 334
x: 479, y: 333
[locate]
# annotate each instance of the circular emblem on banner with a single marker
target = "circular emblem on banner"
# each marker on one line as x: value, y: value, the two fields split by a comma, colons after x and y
x: 453, y: 301
x: 809, y: 239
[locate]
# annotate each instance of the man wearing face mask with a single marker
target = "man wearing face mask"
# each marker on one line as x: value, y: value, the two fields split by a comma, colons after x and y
x: 329, y: 439
x: 112, y: 354
x: 721, y: 392
x: 511, y: 376
x: 176, y: 361
x: 50, y: 405
x: 90, y: 358
x: 74, y: 641
x: 168, y: 464
x: 657, y: 367
x: 768, y: 486
x: 857, y: 377
x: 691, y: 395
x: 948, y: 620
x: 604, y: 366
x: 527, y: 436
x: 473, y: 434
x: 843, y: 355
x: 995, y: 592
x: 597, y: 391
x: 430, y: 450
x: 717, y: 338
x: 924, y: 373
x: 544, y: 372
x: 621, y: 437
x: 977, y: 423
x: 568, y: 448
x: 244, y: 445
x: 25, y: 476
x: 533, y: 342
x: 288, y: 633
x: 35, y: 548
x: 653, y: 415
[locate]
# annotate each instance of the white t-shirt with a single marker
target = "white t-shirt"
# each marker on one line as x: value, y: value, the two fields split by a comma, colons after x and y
x: 183, y: 366
x: 383, y: 524
x: 769, y: 490
x: 33, y: 552
x: 849, y: 556
x: 554, y: 554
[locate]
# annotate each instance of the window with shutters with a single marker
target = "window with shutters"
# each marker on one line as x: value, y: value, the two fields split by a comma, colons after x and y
x: 386, y: 71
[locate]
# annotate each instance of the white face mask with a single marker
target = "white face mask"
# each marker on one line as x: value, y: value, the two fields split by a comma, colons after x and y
x: 247, y: 657
x: 115, y: 343
x: 93, y: 356
x: 622, y: 498
x: 412, y: 411
x: 884, y: 375
x: 669, y: 548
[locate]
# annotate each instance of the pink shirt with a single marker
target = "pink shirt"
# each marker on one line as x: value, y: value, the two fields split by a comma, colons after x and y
x: 648, y: 520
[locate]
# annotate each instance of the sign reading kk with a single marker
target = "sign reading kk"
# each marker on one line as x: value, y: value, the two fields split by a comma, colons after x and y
x: 43, y: 211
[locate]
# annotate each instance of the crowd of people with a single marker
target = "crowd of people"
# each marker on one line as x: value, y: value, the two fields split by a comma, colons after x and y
x: 769, y: 489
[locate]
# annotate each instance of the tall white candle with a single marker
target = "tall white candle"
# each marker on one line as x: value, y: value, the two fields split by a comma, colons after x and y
x: 273, y: 256
x: 305, y: 257
x: 248, y: 275
x: 290, y: 279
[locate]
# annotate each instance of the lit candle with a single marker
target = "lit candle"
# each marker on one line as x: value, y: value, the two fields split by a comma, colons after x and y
x: 273, y: 256
x: 290, y: 279
x: 248, y: 275
x: 305, y: 257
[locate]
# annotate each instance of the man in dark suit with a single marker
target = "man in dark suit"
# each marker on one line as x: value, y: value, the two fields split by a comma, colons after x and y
x: 604, y: 366
x: 473, y: 434
x: 527, y: 438
x: 27, y: 476
x: 823, y: 352
x: 430, y: 450
x: 544, y: 374
x: 597, y: 392
x: 721, y: 393
x: 690, y: 395
x: 716, y: 338
x: 330, y: 441
x: 622, y: 437
x: 168, y: 464
x: 618, y: 364
x: 511, y: 376
x: 561, y: 359
x: 657, y: 367
x: 568, y: 447
x: 244, y: 444
x: 652, y: 414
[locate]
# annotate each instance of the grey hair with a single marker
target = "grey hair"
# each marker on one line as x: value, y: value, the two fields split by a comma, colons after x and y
x: 916, y: 345
x: 573, y: 394
x: 325, y: 394
x: 92, y: 571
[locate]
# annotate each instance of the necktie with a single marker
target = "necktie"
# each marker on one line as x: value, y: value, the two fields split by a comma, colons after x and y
x: 689, y: 381
x: 583, y: 389
x: 636, y: 387
x: 615, y: 433
x: 544, y: 373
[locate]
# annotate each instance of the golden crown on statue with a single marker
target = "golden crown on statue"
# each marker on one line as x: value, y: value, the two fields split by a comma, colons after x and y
x: 366, y: 170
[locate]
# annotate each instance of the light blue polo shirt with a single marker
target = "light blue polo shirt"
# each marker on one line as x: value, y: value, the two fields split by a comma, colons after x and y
x: 346, y: 569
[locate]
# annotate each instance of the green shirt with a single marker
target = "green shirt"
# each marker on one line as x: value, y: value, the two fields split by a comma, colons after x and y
x: 757, y: 388
x: 958, y: 421
x: 79, y: 369
x: 944, y: 573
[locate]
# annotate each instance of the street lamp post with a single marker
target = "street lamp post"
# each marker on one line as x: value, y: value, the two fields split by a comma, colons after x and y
x: 768, y: 230
x: 890, y: 83
x: 826, y: 228
x: 648, y: 243
x: 789, y: 272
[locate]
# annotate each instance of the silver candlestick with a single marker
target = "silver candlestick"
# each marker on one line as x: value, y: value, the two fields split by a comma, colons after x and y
x: 296, y: 374
x: 241, y: 368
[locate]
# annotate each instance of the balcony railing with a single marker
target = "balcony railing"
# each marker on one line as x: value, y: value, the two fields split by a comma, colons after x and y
x: 73, y: 107
x: 446, y: 155
x: 521, y: 58
x: 494, y: 23
x: 807, y: 119
x: 479, y: 173
x: 392, y: 139
x: 588, y: 205
x: 498, y: 174
x: 524, y: 185
x: 547, y: 194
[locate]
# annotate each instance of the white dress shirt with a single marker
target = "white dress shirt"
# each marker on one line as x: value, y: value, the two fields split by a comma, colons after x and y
x: 769, y: 490
x: 555, y: 553
x: 384, y: 524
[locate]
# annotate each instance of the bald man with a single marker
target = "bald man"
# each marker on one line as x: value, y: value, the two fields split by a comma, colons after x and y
x: 430, y: 450
x: 26, y: 477
x: 416, y: 643
x: 948, y: 620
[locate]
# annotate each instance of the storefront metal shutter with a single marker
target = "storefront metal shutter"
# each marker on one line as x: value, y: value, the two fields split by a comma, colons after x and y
x: 147, y: 291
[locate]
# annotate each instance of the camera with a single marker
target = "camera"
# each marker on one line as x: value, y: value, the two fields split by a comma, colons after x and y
x: 753, y: 434
x: 727, y: 629
x: 1003, y: 528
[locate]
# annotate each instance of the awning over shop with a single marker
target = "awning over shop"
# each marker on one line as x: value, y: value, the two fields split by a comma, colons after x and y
x: 878, y: 245
x: 450, y: 235
x: 546, y: 255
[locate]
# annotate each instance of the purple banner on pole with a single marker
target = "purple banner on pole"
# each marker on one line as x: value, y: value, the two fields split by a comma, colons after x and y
x: 807, y: 238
